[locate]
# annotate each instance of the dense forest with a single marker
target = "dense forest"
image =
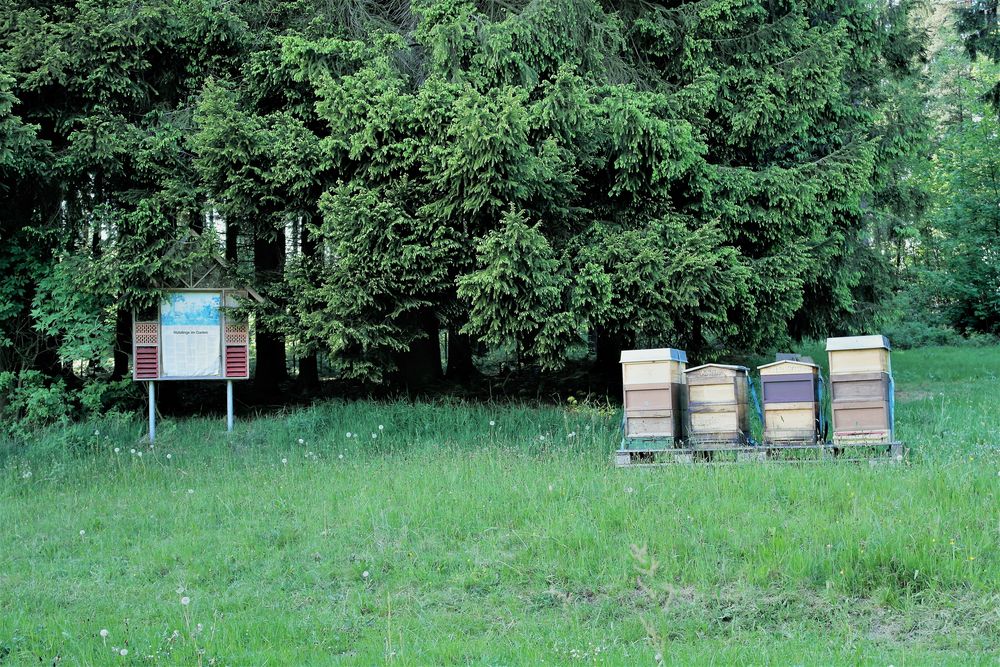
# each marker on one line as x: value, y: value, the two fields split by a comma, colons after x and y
x: 426, y: 191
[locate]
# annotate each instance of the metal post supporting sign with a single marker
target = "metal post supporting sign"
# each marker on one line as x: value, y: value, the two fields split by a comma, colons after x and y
x: 152, y: 412
x: 229, y: 405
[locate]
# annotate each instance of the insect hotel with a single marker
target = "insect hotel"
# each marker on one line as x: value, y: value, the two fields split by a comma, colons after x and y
x: 193, y: 333
x: 718, y: 406
x: 861, y: 390
x: 653, y: 383
x: 792, y: 402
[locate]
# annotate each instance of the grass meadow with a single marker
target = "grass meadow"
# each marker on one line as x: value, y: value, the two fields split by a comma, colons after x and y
x: 501, y: 535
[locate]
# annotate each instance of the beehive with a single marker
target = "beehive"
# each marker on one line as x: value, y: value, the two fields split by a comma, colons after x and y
x: 718, y: 406
x: 791, y: 401
x: 861, y: 389
x: 858, y: 354
x: 653, y: 382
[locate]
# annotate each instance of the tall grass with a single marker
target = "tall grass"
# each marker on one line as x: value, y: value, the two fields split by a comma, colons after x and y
x: 441, y: 537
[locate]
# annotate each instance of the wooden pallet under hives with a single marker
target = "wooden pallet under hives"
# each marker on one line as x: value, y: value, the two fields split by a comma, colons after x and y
x: 722, y: 453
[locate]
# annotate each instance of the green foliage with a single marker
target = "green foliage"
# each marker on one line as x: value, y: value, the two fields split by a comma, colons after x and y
x: 715, y: 175
x: 519, y: 295
x: 951, y: 264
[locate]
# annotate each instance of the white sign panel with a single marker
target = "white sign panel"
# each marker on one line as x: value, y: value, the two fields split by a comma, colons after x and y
x: 191, y: 334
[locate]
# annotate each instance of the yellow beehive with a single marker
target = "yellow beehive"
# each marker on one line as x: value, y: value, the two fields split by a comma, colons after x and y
x: 858, y: 354
x: 718, y: 405
x: 653, y: 396
x: 791, y: 406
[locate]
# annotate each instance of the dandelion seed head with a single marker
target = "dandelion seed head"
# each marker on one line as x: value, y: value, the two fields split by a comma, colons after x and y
x: 97, y: 432
x: 348, y: 434
x: 284, y: 461
x: 341, y: 456
x: 26, y: 474
x: 139, y: 454
x: 492, y: 423
x: 364, y: 574
x: 185, y: 600
x: 117, y: 449
x: 301, y: 441
x: 82, y: 533
x: 381, y: 427
x: 190, y: 490
x: 123, y: 652
x: 168, y: 456
x: 132, y: 451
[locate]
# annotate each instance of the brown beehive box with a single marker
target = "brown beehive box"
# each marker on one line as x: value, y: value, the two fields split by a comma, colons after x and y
x: 718, y: 405
x: 791, y: 401
x: 653, y: 383
x: 861, y: 389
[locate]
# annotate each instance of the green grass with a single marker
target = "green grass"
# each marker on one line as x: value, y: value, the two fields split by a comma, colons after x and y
x: 510, y: 544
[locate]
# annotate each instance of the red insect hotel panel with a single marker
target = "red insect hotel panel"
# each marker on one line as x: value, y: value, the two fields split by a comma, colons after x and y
x: 145, y: 337
x: 237, y: 350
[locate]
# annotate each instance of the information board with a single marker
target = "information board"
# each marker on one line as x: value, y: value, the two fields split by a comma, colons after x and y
x: 191, y: 334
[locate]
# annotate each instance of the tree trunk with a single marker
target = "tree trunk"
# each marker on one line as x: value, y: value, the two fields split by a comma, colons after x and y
x: 123, y: 343
x: 232, y: 236
x: 420, y: 366
x: 607, y: 362
x: 461, y: 369
x: 268, y: 256
x: 309, y: 364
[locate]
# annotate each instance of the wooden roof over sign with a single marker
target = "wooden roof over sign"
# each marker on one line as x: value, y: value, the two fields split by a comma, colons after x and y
x: 205, y: 274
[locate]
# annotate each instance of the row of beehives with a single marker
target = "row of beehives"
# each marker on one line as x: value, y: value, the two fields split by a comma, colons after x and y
x: 666, y: 403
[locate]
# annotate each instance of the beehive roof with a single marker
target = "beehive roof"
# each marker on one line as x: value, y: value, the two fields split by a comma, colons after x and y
x: 857, y: 343
x: 657, y: 354
x: 726, y: 366
x: 788, y: 361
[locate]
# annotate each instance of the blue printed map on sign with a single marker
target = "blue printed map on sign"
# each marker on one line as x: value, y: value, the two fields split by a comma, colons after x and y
x: 186, y: 309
